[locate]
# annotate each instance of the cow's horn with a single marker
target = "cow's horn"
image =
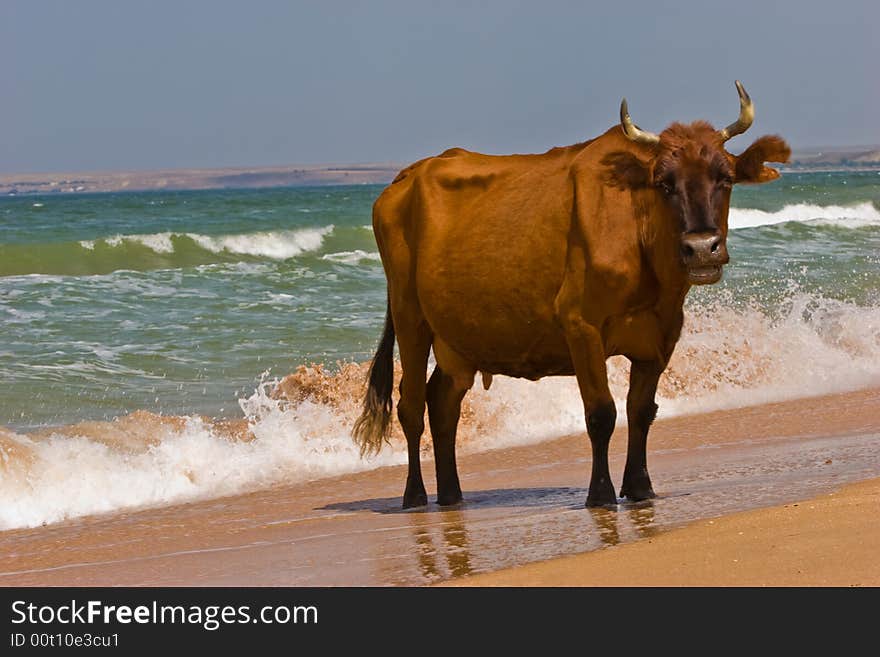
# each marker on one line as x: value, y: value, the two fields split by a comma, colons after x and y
x: 632, y: 131
x: 746, y: 115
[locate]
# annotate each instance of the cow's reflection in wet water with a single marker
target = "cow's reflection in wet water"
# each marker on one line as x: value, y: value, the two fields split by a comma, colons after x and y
x: 441, y: 548
x: 497, y: 528
x: 441, y: 538
x: 639, y: 515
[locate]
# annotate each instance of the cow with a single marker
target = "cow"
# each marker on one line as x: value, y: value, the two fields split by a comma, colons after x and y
x: 546, y: 265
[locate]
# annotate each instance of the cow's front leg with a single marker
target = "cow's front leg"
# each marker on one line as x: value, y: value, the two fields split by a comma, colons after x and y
x: 588, y: 356
x: 640, y: 412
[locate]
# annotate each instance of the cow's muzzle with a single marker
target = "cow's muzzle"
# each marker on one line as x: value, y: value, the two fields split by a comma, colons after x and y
x: 703, y: 255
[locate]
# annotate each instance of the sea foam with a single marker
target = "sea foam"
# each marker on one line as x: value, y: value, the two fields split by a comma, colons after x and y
x: 351, y: 257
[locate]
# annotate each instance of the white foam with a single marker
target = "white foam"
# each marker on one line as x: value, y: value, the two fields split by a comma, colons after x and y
x: 816, y: 346
x: 351, y: 257
x: 74, y: 476
x: 854, y: 216
x: 158, y: 242
x: 278, y: 245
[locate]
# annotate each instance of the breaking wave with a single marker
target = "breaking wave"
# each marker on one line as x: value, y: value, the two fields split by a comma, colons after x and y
x: 278, y: 245
x: 156, y: 251
x: 298, y: 428
x: 351, y: 257
x: 853, y: 216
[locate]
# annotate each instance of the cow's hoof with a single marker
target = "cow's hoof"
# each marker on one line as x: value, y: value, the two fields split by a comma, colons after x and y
x: 449, y: 499
x: 604, y: 498
x: 638, y: 493
x: 412, y: 500
x: 600, y: 503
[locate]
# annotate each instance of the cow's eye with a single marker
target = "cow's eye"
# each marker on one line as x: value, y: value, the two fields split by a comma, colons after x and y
x: 725, y: 181
x: 667, y: 186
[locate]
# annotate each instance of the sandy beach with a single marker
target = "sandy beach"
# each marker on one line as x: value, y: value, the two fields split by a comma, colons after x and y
x: 522, y: 505
x: 795, y: 544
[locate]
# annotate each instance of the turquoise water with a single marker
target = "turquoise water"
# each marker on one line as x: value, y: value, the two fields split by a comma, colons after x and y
x: 178, y: 302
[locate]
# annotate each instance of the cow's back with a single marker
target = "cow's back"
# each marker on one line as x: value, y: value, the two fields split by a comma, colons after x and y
x: 478, y: 243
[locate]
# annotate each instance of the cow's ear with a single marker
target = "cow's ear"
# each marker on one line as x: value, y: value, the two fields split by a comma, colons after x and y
x: 625, y: 171
x: 750, y: 164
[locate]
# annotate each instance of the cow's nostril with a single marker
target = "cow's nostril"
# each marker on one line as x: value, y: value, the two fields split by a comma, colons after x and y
x: 702, y: 247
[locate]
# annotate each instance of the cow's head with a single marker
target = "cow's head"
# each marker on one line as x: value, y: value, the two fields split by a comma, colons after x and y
x: 693, y: 174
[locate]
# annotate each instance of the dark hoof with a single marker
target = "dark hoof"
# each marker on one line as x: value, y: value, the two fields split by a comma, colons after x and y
x: 412, y: 500
x: 605, y: 498
x: 449, y: 500
x: 637, y: 487
x: 637, y: 494
x: 600, y: 503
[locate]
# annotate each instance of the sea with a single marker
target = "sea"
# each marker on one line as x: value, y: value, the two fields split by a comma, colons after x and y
x: 130, y: 323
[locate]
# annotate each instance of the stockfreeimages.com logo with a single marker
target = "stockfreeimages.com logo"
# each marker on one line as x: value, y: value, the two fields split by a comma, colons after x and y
x: 210, y: 617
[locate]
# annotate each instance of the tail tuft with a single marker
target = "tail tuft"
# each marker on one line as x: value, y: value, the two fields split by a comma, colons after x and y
x: 373, y: 427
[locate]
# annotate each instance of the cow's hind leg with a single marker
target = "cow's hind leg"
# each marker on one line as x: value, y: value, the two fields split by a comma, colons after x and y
x: 415, y: 345
x: 640, y: 412
x: 449, y: 383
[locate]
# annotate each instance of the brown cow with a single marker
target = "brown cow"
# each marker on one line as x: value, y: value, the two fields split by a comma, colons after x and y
x: 542, y: 265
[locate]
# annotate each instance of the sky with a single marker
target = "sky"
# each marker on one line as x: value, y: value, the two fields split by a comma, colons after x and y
x: 96, y: 86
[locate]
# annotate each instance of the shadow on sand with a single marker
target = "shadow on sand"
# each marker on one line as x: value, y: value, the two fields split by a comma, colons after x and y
x: 560, y: 497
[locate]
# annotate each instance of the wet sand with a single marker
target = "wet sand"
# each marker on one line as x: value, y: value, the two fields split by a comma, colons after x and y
x: 523, y: 505
x: 831, y: 540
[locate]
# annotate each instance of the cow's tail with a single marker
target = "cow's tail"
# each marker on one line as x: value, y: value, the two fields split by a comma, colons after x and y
x: 373, y: 427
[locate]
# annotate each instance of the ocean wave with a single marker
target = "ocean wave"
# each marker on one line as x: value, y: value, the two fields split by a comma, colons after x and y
x: 298, y: 428
x: 351, y: 257
x: 277, y: 245
x: 158, y: 242
x: 156, y: 251
x: 145, y: 459
x: 853, y: 216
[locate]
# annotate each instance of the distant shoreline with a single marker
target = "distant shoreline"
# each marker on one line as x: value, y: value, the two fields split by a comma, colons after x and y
x: 196, y: 179
x: 13, y: 184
